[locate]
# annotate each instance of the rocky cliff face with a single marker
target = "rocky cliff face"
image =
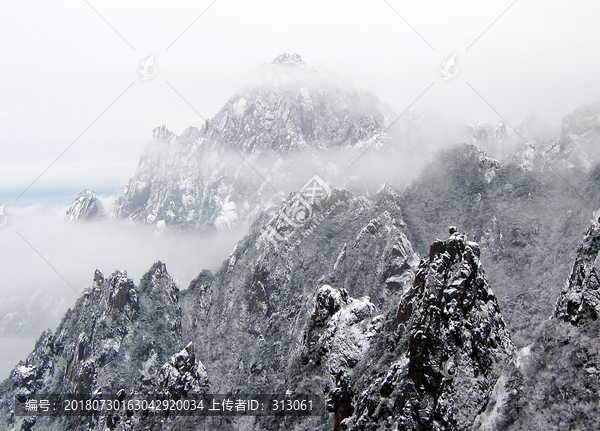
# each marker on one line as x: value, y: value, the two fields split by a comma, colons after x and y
x: 214, y: 176
x: 117, y: 337
x: 434, y: 364
x: 580, y: 300
x: 303, y: 296
x: 554, y: 382
x: 527, y: 222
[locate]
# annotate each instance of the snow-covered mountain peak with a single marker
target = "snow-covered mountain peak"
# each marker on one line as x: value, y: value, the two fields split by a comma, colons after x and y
x: 583, y: 120
x: 289, y: 111
x: 87, y: 206
x: 289, y: 59
x: 288, y: 105
x: 161, y: 132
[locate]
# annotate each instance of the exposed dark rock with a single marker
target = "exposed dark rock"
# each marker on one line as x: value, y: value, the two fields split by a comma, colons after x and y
x: 434, y: 368
x: 328, y: 301
x: 181, y: 375
x: 580, y: 300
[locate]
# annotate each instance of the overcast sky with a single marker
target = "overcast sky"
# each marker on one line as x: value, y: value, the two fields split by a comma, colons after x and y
x: 63, y: 65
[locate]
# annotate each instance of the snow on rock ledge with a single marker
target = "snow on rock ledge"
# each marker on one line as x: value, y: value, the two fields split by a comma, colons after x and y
x: 339, y: 331
x: 435, y: 367
x: 182, y: 374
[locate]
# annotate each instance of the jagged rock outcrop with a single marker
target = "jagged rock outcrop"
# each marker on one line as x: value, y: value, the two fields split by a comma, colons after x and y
x: 435, y: 362
x: 181, y: 375
x: 118, y: 337
x: 213, y: 177
x: 580, y: 300
x: 87, y: 206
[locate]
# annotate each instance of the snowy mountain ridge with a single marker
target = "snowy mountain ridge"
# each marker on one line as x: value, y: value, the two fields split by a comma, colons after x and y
x: 212, y: 176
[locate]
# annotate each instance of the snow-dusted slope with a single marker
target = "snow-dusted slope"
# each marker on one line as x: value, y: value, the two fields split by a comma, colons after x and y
x: 326, y: 296
x: 434, y: 363
x: 117, y: 337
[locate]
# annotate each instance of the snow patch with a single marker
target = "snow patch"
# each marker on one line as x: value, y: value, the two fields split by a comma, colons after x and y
x: 522, y: 355
x: 228, y: 219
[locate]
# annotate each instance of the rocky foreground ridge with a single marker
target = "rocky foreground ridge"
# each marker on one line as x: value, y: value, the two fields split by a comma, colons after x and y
x: 305, y: 303
x: 325, y: 296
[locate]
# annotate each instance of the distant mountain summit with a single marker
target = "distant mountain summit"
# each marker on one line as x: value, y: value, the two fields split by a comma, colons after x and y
x: 87, y: 206
x: 579, y: 142
x: 534, y: 145
x: 243, y: 159
x: 291, y: 106
x: 292, y: 59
